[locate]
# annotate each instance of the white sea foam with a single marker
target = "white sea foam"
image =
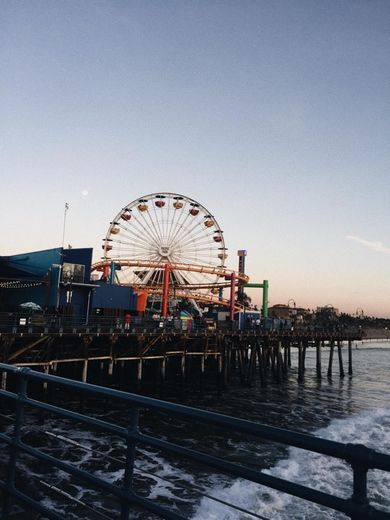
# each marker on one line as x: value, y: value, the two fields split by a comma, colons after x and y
x: 328, y: 474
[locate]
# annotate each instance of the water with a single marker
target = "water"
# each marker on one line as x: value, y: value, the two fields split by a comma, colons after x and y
x: 353, y: 409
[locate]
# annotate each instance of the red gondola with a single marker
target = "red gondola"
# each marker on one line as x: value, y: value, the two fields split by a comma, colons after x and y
x: 126, y: 215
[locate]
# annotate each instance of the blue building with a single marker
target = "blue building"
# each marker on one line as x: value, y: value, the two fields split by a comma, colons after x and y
x: 59, y: 281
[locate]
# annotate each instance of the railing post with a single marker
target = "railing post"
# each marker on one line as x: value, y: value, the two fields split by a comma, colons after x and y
x: 129, y: 466
x: 359, y: 496
x: 14, y: 450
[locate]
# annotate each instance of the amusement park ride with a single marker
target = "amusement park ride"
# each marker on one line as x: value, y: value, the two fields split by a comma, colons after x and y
x: 169, y: 245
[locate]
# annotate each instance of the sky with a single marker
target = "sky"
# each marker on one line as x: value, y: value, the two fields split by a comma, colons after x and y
x: 273, y: 115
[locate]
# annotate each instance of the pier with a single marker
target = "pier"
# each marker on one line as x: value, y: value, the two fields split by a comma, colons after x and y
x: 154, y: 356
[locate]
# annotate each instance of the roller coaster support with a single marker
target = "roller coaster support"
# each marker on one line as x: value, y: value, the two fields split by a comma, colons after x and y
x: 165, y: 293
x: 264, y: 286
x: 232, y: 295
x: 264, y: 308
x: 112, y: 273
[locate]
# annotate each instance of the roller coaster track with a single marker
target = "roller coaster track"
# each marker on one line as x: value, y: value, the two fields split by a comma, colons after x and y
x: 181, y: 290
x: 216, y: 271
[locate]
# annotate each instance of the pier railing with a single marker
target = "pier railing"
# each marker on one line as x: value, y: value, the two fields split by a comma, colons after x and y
x: 359, y: 458
x: 30, y: 323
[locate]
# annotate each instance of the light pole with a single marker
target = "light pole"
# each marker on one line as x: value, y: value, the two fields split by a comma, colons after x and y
x: 59, y: 267
x: 63, y: 229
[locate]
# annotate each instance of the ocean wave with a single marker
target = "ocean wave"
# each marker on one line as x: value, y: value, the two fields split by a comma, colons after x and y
x: 327, y: 474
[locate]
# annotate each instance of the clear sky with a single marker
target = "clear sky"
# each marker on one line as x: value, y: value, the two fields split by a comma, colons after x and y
x: 273, y: 115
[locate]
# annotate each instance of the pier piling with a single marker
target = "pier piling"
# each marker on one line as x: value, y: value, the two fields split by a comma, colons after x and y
x: 350, y: 357
x: 340, y: 355
x: 300, y: 362
x: 331, y: 349
x: 318, y: 358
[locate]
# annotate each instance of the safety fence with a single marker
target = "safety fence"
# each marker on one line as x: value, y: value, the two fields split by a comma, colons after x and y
x: 32, y: 323
x: 24, y: 382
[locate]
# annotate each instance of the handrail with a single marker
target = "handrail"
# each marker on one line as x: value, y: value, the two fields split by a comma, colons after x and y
x: 358, y: 456
x: 24, y: 322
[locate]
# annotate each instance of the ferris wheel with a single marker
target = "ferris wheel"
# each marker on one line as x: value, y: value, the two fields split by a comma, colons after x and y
x: 166, y: 228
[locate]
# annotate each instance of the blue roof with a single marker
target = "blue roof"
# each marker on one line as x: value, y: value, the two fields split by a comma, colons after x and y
x: 29, y: 265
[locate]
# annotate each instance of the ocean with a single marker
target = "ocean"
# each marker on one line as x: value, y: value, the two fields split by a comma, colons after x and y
x: 352, y: 410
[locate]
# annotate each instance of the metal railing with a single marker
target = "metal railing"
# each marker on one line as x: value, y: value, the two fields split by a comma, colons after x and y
x: 37, y: 323
x: 359, y: 457
x: 22, y: 323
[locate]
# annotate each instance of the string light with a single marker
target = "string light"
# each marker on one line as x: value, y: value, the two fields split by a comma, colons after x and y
x: 19, y: 284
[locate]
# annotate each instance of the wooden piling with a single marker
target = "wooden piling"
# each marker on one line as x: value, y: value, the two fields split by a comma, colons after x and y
x: 163, y: 362
x: 272, y: 358
x: 349, y: 357
x: 331, y: 349
x: 219, y: 374
x: 285, y: 358
x: 289, y: 354
x: 182, y: 374
x: 139, y: 373
x: 226, y: 358
x: 340, y: 355
x: 300, y: 362
x: 241, y: 368
x: 201, y: 378
x: 251, y: 365
x: 304, y: 348
x: 46, y: 370
x: 260, y: 357
x: 318, y: 358
x: 278, y: 361
x: 85, y: 371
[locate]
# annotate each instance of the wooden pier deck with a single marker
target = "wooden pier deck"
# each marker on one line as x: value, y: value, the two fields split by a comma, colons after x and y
x: 140, y: 357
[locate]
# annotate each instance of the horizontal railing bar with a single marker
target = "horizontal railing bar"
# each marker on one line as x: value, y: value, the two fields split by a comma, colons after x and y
x: 130, y: 497
x: 291, y: 488
x: 71, y: 498
x: 69, y: 414
x: 139, y: 470
x: 352, y: 452
x: 25, y: 499
x: 337, y: 503
x: 298, y: 490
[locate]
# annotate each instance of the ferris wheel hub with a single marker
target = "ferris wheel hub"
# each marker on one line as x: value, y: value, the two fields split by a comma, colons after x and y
x: 164, y: 251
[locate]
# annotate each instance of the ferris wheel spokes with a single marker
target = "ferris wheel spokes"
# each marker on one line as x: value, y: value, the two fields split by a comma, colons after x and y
x: 165, y: 228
